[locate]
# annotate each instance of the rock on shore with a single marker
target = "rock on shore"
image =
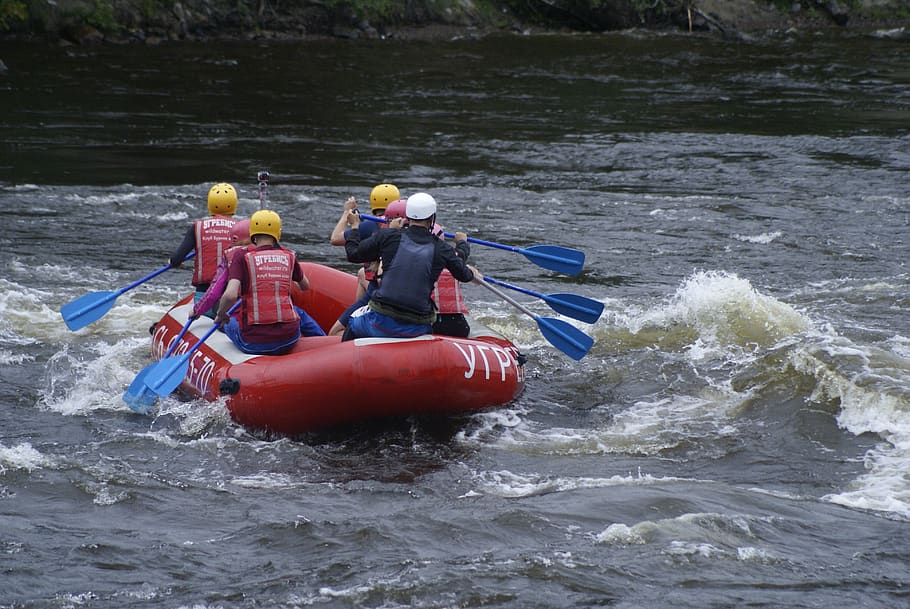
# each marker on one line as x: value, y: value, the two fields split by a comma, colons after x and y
x: 153, y: 22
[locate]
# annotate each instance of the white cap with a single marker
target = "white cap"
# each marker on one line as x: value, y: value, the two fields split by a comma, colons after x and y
x: 420, y: 206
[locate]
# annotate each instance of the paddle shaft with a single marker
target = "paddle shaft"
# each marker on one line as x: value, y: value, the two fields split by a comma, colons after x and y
x: 549, y: 299
x: 176, y: 341
x: 92, y: 306
x: 551, y: 257
x: 470, y: 239
x: 174, y: 366
x: 138, y: 395
x: 508, y: 299
x: 263, y: 177
x: 113, y: 295
x: 561, y: 335
x: 175, y: 369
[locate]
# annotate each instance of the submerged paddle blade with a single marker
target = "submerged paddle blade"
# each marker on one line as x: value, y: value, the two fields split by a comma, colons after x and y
x: 87, y: 309
x: 575, y: 306
x: 166, y: 375
x: 555, y: 258
x: 138, y: 396
x: 565, y: 337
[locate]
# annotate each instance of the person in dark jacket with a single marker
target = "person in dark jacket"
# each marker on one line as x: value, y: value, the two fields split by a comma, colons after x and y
x: 412, y: 259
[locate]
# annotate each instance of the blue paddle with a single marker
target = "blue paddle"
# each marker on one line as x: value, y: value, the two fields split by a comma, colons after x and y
x: 138, y: 396
x: 92, y: 307
x: 564, y: 336
x: 570, y: 305
x: 551, y: 257
x: 167, y: 374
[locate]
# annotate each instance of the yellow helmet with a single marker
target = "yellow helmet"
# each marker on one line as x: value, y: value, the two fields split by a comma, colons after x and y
x: 265, y: 222
x: 381, y: 196
x: 222, y: 200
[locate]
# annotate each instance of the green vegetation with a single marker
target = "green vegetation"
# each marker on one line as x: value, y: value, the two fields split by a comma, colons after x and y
x: 373, y: 10
x: 92, y: 20
x: 12, y: 11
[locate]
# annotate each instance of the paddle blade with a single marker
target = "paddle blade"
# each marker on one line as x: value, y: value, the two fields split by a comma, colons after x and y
x: 565, y: 337
x: 555, y: 258
x: 575, y: 306
x: 138, y: 396
x: 87, y: 309
x: 167, y: 374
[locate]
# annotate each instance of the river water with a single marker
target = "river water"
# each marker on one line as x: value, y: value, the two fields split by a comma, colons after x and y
x: 738, y: 436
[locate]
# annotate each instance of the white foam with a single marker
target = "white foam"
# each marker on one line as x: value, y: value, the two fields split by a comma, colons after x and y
x: 265, y: 481
x: 762, y: 239
x: 24, y: 317
x: 647, y: 427
x: 620, y: 534
x: 872, y: 387
x: 694, y: 536
x: 507, y: 484
x: 75, y: 384
x: 9, y: 358
x: 22, y: 456
x: 726, y: 313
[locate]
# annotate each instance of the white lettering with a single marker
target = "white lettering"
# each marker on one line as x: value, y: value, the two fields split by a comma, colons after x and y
x: 469, y: 360
x: 270, y: 258
x: 219, y: 222
x: 504, y: 359
x: 201, y: 369
x: 486, y: 365
x: 158, y: 348
x: 501, y: 360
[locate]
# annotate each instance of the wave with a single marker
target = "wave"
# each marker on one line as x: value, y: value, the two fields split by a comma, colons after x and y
x: 710, y: 313
x: 23, y: 456
x: 870, y: 388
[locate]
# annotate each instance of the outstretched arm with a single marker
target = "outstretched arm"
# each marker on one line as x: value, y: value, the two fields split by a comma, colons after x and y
x: 337, y: 237
x: 186, y: 246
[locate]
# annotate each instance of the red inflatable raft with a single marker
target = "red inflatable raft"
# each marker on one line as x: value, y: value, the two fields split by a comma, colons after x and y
x: 325, y: 382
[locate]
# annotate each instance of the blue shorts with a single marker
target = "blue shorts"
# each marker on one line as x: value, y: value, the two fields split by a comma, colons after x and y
x: 308, y: 327
x: 346, y: 316
x: 371, y: 323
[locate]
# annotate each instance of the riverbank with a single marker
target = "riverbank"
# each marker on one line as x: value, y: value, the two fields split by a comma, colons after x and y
x: 81, y: 22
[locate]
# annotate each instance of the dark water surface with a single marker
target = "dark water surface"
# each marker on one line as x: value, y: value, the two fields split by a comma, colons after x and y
x: 738, y: 436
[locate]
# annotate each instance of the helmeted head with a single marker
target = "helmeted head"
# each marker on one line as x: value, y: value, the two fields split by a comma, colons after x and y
x: 381, y: 196
x: 265, y: 222
x: 420, y: 206
x: 396, y: 209
x: 241, y: 231
x: 222, y: 199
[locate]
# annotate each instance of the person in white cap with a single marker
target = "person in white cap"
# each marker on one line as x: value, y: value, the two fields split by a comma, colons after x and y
x: 412, y: 259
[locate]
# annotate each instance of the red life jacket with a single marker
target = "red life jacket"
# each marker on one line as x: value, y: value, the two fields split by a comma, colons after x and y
x: 447, y: 294
x: 270, y: 272
x: 213, y: 237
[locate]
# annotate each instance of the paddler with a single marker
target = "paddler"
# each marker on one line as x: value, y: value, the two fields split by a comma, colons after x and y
x: 269, y: 323
x: 209, y: 237
x: 412, y: 260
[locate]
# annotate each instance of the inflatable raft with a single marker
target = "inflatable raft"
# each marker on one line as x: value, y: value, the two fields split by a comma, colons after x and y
x: 325, y: 382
